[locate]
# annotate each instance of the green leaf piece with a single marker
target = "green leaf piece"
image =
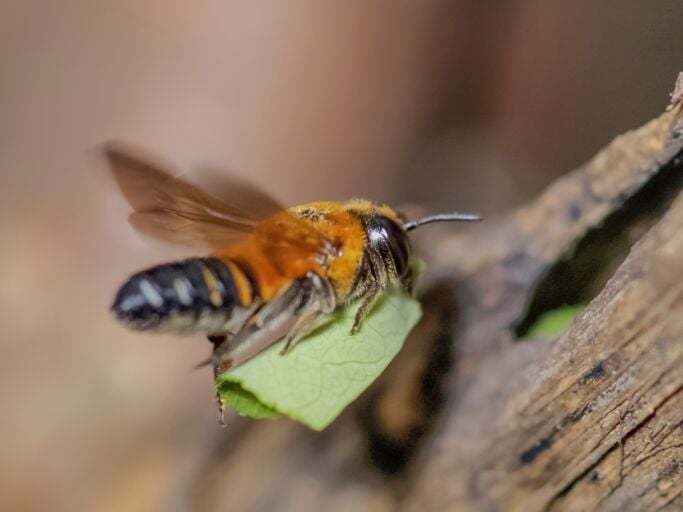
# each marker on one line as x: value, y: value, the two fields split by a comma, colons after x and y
x: 325, y: 371
x: 554, y: 322
x: 244, y: 402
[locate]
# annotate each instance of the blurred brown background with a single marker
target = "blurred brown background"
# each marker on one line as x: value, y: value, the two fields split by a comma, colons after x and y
x: 449, y: 104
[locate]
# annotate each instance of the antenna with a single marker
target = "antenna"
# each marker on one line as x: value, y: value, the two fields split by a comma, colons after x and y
x: 442, y: 217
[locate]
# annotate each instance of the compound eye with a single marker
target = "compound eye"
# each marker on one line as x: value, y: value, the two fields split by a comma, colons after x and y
x: 397, y: 240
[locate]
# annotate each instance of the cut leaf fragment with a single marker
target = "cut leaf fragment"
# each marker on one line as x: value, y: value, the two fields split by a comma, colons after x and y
x: 325, y: 371
x: 245, y: 403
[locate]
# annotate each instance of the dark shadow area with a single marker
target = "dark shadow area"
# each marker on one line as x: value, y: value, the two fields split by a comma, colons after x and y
x: 583, y: 272
x: 403, y: 409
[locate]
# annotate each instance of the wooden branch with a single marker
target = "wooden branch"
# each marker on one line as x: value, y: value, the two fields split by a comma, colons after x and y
x: 598, y: 418
x: 591, y: 420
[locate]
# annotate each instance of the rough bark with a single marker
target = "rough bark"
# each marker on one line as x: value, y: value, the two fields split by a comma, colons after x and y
x: 590, y: 420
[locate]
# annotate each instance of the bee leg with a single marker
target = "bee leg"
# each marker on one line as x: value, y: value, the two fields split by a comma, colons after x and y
x: 219, y: 400
x: 369, y: 299
x: 218, y: 340
x: 277, y: 317
x: 221, y: 411
x: 321, y: 300
x: 303, y: 326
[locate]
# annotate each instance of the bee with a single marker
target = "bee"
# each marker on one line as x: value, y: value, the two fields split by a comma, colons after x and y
x: 267, y: 272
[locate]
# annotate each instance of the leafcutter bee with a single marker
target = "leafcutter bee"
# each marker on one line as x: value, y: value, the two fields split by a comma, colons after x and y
x: 266, y: 271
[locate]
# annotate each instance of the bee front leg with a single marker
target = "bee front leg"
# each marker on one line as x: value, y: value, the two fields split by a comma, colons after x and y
x: 369, y: 299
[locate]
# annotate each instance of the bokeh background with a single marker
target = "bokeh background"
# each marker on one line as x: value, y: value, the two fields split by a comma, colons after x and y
x: 457, y: 104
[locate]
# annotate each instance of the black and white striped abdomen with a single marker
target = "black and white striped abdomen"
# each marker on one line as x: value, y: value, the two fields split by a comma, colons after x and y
x: 198, y: 295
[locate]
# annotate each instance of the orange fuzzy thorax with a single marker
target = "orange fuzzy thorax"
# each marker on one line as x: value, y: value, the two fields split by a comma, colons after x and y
x: 326, y: 238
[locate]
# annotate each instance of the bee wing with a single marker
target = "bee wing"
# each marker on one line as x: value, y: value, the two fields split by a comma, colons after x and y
x: 238, y: 194
x: 174, y: 210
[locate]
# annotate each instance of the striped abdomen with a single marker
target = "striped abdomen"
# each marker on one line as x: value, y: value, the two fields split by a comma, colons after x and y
x: 204, y: 295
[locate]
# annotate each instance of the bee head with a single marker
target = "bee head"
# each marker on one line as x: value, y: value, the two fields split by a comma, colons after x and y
x: 390, y: 240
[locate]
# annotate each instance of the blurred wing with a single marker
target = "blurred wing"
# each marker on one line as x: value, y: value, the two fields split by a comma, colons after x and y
x: 238, y: 194
x: 174, y: 210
